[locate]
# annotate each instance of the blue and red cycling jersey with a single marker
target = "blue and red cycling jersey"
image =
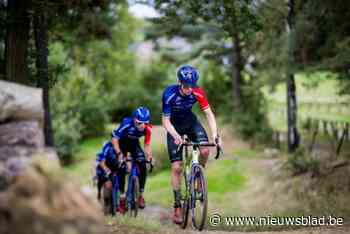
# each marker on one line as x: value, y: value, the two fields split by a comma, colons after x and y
x: 177, y: 106
x: 128, y: 130
x: 107, y: 146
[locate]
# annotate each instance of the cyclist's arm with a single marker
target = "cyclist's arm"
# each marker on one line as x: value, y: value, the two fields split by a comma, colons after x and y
x: 104, y: 166
x: 148, y: 151
x: 147, y: 146
x: 169, y: 127
x: 116, y: 147
x: 211, y: 122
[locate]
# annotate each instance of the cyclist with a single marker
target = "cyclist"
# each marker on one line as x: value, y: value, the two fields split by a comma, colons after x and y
x: 125, y: 139
x: 178, y: 120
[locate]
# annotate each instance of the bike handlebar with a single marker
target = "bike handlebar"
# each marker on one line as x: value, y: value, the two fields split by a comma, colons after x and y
x: 146, y: 161
x: 206, y: 144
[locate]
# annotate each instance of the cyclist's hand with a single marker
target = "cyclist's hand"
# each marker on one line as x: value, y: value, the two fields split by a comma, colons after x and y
x: 178, y: 140
x: 149, y: 158
x: 217, y: 140
x: 108, y: 173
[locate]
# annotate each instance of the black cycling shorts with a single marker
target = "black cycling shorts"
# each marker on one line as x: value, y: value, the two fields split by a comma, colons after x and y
x: 194, y: 131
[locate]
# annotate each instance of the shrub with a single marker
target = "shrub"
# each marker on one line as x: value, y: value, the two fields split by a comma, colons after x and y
x: 79, y: 109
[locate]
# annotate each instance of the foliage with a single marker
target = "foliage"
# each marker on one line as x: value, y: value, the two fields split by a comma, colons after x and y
x: 252, y: 124
x: 155, y: 78
x: 211, y: 27
x: 79, y: 110
x: 300, y: 162
x: 321, y: 41
x: 217, y: 85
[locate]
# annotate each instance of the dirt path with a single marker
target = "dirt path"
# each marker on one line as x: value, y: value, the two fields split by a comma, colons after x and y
x: 255, y: 199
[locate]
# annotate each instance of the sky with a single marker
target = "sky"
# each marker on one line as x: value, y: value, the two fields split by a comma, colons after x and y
x: 143, y: 11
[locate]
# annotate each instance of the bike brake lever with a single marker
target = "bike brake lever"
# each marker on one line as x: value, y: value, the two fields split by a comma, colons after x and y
x: 151, y: 167
x: 218, y: 151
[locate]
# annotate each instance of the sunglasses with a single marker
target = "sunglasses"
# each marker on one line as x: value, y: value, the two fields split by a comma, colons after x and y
x: 186, y: 86
x: 139, y: 123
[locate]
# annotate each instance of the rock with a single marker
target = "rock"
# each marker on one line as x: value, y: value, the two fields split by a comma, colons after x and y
x: 23, y: 133
x: 41, y: 200
x: 19, y: 102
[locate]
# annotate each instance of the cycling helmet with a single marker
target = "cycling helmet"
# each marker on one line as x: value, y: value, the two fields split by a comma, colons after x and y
x: 142, y: 114
x: 188, y: 75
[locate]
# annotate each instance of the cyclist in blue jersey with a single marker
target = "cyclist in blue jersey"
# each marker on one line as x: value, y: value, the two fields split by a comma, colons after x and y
x: 125, y: 139
x: 178, y: 120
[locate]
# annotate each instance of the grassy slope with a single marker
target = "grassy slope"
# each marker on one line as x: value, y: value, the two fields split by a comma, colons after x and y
x: 239, y: 184
x: 325, y: 94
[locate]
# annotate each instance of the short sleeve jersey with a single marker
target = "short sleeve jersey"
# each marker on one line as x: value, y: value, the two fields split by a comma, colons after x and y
x: 128, y: 130
x: 178, y: 106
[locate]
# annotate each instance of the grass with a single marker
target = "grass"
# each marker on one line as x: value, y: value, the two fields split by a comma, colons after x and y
x: 223, y: 176
x: 82, y: 169
x: 138, y: 223
x: 317, y: 97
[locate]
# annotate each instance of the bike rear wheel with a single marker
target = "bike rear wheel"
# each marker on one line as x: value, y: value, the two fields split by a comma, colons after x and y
x: 133, y: 203
x: 106, y: 201
x: 199, y: 197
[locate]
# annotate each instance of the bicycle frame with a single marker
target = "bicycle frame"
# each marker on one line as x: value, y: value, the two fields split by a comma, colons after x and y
x: 190, y: 172
x: 134, y: 172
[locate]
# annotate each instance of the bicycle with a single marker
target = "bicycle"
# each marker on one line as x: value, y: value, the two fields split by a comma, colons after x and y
x: 111, y: 197
x: 133, y: 190
x: 194, y: 185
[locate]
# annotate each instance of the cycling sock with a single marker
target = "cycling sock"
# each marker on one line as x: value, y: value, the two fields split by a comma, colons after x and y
x: 177, y: 198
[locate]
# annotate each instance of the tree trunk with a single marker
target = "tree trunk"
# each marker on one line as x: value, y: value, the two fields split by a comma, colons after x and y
x: 237, y: 64
x: 236, y: 74
x: 42, y: 52
x: 293, y: 135
x: 17, y: 36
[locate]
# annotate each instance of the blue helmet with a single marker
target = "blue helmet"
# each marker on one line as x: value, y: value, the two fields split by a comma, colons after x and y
x: 188, y: 75
x: 142, y: 114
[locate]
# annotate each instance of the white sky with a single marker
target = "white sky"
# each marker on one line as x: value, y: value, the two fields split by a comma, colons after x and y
x: 143, y: 11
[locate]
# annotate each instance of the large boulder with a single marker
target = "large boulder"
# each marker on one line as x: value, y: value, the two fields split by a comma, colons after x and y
x: 19, y: 102
x: 40, y: 200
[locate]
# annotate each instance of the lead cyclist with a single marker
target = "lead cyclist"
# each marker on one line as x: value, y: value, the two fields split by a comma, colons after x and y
x: 178, y: 120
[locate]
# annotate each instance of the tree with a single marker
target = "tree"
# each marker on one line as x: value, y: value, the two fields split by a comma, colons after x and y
x: 293, y: 135
x: 42, y: 53
x: 233, y: 20
x: 17, y: 36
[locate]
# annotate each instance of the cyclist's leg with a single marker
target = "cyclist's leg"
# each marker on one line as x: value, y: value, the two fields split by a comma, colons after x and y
x: 197, y: 133
x: 101, y: 179
x: 125, y: 148
x: 176, y: 169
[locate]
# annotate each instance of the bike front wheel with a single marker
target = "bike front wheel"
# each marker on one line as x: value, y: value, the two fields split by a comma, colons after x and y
x: 185, y: 201
x: 133, y: 203
x: 199, y: 197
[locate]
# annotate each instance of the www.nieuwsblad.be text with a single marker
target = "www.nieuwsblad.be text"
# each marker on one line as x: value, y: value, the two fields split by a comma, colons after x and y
x: 217, y: 219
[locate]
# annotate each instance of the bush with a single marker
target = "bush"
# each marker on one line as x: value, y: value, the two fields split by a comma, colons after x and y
x: 299, y: 162
x: 79, y: 109
x: 252, y: 123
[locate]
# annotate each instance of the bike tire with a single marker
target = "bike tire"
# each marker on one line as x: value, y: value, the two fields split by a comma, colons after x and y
x: 198, y: 200
x: 107, y: 201
x: 114, y: 197
x: 134, y: 206
x: 185, y: 204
